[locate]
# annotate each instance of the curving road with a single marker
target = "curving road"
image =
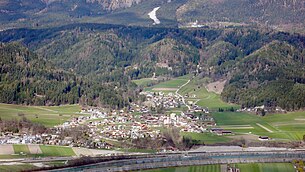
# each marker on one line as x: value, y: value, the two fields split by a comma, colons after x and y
x: 183, y: 100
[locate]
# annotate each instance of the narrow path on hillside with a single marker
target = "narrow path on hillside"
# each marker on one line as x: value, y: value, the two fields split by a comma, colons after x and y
x: 42, y: 108
x: 183, y: 100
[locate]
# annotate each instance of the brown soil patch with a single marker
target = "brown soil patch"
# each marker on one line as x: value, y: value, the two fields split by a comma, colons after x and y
x: 216, y: 87
x: 6, y: 150
x: 34, y: 149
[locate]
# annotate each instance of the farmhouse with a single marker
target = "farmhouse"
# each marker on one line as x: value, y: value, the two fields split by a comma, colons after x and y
x: 263, y: 138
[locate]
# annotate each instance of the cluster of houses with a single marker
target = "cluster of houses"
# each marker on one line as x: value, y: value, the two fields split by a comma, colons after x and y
x: 158, y: 99
x: 262, y: 110
x: 50, y: 139
x: 220, y: 131
x: 16, y: 138
x: 135, y: 123
x: 126, y: 125
x: 139, y: 122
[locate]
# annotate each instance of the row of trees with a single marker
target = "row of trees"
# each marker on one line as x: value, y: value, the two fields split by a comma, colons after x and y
x: 23, y: 125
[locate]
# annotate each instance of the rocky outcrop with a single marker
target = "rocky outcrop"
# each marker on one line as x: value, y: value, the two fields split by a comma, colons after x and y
x: 108, y: 5
x: 114, y: 4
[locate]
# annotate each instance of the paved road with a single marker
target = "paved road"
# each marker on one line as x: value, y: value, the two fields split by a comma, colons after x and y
x: 188, y: 159
x: 183, y: 100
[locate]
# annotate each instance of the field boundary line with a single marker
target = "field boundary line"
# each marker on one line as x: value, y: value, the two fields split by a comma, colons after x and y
x: 265, y: 128
x: 46, y: 109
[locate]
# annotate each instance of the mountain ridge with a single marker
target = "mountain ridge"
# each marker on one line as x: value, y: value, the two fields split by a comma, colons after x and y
x: 286, y: 15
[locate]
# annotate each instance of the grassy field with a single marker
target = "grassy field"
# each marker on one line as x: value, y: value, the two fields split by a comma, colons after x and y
x: 56, y: 151
x: 15, y: 168
x: 143, y: 82
x: 197, y: 92
x: 21, y: 149
x: 266, y: 167
x: 195, y: 89
x: 48, y: 116
x: 255, y: 167
x: 172, y: 84
x: 283, y: 127
x: 207, y: 138
x: 204, y: 168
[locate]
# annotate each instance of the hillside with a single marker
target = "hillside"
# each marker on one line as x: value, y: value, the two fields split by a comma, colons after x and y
x: 30, y: 80
x: 46, y: 13
x: 287, y: 15
x: 280, y: 14
x: 113, y: 55
x: 271, y: 76
x: 26, y: 79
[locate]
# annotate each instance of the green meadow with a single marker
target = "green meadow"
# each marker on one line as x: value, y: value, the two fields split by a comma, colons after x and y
x: 56, y: 151
x: 282, y: 127
x: 198, y: 93
x: 254, y: 167
x: 206, y: 138
x: 12, y: 168
x: 195, y: 89
x: 203, y: 168
x: 21, y: 149
x: 266, y: 167
x: 144, y: 81
x: 46, y: 115
x: 170, y: 85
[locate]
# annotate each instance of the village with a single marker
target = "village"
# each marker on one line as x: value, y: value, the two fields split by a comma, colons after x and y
x: 138, y: 121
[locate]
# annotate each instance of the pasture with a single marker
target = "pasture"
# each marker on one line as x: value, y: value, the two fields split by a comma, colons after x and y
x: 144, y: 82
x: 170, y: 85
x: 45, y: 115
x: 281, y: 127
x: 203, y: 168
x: 263, y: 167
x: 206, y: 138
x: 56, y: 151
x: 197, y: 92
x: 11, y: 168
x: 26, y: 151
x: 21, y: 149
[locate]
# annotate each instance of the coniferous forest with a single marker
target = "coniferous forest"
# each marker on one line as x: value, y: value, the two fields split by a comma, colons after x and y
x: 94, y: 64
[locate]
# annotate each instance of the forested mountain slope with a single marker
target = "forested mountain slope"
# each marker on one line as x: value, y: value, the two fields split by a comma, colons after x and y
x: 284, y: 14
x: 272, y: 76
x: 113, y: 55
x: 27, y: 79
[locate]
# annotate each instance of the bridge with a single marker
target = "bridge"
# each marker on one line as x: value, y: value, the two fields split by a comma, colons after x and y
x: 141, y: 162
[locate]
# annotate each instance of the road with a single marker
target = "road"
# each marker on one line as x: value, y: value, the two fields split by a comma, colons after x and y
x: 153, y: 161
x: 183, y: 100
